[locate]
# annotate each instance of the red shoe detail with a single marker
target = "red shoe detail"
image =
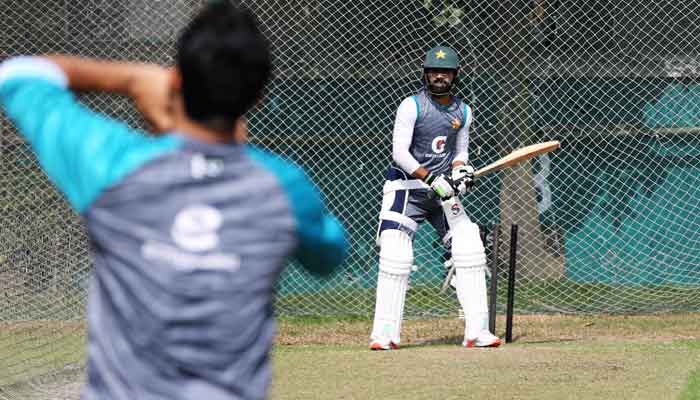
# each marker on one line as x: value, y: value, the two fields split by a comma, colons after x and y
x: 472, y: 343
x: 375, y: 346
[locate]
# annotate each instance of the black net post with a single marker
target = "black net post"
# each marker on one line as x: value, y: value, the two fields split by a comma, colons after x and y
x: 511, y: 281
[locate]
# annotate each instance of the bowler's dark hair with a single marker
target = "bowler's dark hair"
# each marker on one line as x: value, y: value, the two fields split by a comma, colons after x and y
x: 225, y: 63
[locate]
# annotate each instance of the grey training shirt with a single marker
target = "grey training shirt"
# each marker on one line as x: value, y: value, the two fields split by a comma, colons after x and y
x: 187, y: 240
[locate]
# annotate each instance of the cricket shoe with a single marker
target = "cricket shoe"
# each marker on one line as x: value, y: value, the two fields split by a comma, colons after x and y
x: 485, y: 339
x: 375, y: 346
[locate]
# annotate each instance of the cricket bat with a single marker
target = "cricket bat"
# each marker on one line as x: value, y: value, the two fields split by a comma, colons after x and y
x: 453, y: 208
x: 518, y: 156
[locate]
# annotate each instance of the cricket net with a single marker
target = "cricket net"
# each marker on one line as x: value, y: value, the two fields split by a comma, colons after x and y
x: 608, y: 224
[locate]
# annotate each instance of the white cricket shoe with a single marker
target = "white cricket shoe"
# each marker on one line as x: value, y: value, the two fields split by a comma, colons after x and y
x: 485, y: 339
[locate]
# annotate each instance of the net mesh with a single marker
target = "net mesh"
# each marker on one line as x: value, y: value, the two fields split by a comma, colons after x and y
x: 608, y: 224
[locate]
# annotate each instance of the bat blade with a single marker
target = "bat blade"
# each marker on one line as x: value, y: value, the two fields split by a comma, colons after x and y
x: 518, y: 156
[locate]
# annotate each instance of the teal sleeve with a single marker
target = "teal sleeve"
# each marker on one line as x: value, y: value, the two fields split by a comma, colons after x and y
x: 322, y: 243
x: 82, y: 152
x: 415, y: 100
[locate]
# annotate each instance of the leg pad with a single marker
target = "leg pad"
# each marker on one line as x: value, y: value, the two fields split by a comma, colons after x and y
x: 395, y: 263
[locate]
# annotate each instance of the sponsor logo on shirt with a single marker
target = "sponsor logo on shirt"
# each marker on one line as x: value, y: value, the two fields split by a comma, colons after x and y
x: 203, y: 167
x: 438, y: 144
x: 196, y: 228
x: 438, y: 147
x: 171, y: 255
x: 195, y: 232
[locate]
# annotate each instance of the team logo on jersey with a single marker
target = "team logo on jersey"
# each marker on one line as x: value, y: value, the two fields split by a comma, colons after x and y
x: 196, y: 228
x: 438, y: 144
x: 456, y: 123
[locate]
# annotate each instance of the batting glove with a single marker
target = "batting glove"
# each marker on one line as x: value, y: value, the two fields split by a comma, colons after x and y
x: 440, y: 184
x: 463, y: 178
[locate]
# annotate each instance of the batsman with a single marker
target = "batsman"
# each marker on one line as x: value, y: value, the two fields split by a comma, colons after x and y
x: 429, y: 171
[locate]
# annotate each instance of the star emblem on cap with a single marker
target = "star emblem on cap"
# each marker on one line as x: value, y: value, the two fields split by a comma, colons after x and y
x: 440, y: 54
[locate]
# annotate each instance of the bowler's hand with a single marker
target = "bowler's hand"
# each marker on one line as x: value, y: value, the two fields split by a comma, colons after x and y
x: 151, y: 89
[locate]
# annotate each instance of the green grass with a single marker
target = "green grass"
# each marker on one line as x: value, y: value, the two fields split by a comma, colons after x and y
x: 692, y: 388
x: 542, y: 371
x: 553, y: 357
x: 30, y: 350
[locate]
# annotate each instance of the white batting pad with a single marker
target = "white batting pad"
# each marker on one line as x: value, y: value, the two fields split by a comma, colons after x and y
x: 395, y: 262
x: 469, y: 260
